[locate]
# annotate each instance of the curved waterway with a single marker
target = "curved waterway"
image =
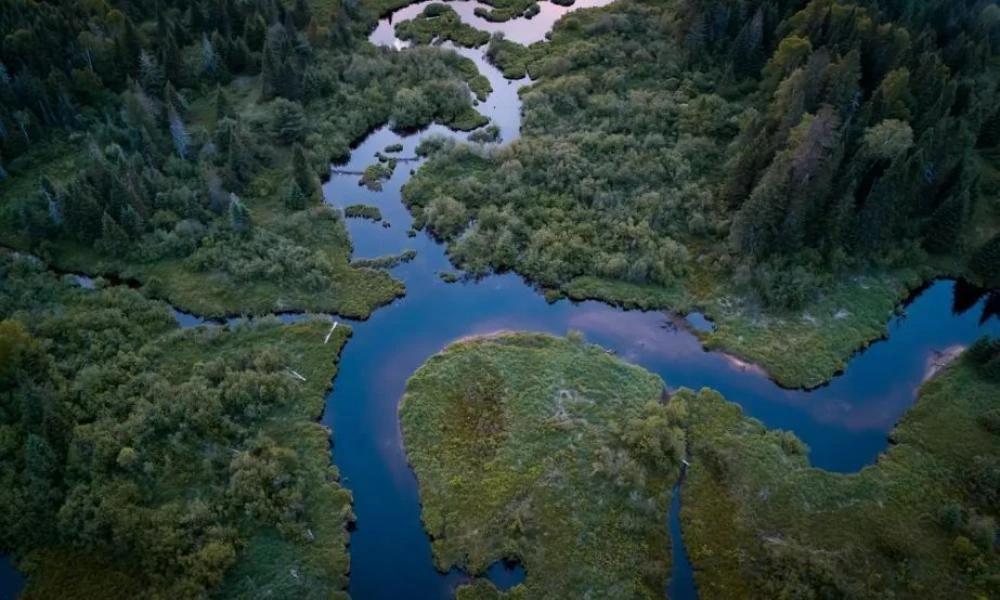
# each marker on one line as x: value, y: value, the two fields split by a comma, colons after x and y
x: 845, y: 423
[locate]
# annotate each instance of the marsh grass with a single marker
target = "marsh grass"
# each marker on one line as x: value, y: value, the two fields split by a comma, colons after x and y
x: 521, y: 448
x: 760, y: 522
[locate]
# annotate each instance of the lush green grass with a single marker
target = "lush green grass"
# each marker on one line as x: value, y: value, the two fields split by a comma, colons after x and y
x: 550, y: 452
x: 759, y: 522
x: 440, y: 22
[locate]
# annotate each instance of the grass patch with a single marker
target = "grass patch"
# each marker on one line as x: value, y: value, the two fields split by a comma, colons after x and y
x: 548, y: 451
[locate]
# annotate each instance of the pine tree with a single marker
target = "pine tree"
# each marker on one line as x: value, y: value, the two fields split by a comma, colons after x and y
x: 301, y: 13
x: 944, y: 231
x: 986, y: 260
x: 304, y: 175
x: 223, y: 107
x: 295, y: 198
x: 239, y: 215
x: 288, y: 121
x: 178, y: 132
x: 114, y: 240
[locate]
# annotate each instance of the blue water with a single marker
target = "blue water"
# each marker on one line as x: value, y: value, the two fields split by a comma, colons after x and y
x: 845, y: 423
x: 11, y: 581
x: 681, y: 584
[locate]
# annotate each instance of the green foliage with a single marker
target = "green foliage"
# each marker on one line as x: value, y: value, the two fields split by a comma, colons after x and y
x: 437, y: 23
x: 287, y: 121
x: 986, y: 260
x: 760, y: 522
x: 375, y: 174
x: 146, y: 180
x: 154, y: 455
x: 756, y: 161
x: 363, y: 211
x: 550, y: 452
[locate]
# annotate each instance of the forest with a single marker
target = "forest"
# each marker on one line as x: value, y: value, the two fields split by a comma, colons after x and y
x: 677, y: 153
x: 183, y: 145
x: 179, y: 148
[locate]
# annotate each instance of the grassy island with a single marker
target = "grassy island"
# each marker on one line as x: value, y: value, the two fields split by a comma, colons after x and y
x: 550, y: 452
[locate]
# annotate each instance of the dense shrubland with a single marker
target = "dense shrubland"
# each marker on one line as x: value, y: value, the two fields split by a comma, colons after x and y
x: 161, y: 458
x: 816, y: 137
x: 133, y: 139
x: 439, y: 22
x: 500, y: 10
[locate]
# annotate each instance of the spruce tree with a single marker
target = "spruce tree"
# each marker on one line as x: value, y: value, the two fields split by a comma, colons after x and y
x: 986, y: 261
x: 304, y: 175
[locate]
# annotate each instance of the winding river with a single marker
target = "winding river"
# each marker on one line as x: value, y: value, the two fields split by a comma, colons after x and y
x: 845, y: 423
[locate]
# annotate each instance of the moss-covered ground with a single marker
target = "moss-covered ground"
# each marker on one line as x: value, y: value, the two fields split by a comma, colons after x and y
x: 550, y: 452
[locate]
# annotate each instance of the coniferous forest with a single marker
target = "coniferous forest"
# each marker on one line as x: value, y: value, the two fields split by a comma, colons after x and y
x: 791, y: 169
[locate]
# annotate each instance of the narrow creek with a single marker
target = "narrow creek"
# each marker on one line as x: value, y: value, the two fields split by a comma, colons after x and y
x: 845, y: 423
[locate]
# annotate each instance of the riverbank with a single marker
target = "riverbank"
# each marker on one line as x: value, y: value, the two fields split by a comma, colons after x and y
x: 760, y: 521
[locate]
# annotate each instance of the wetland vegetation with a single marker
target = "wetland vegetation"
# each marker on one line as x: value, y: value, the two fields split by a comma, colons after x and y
x: 139, y: 458
x: 792, y: 169
x: 526, y: 446
x: 549, y: 452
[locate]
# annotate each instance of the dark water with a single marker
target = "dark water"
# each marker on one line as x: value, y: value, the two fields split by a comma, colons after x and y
x: 681, y: 584
x: 844, y: 423
x: 11, y: 581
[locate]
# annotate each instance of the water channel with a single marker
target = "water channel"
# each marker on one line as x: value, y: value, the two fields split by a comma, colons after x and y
x: 845, y: 423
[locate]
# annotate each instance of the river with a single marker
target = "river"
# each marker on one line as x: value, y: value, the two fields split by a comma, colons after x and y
x: 845, y: 423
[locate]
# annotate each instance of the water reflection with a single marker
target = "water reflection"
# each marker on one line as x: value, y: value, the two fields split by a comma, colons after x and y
x: 522, y: 31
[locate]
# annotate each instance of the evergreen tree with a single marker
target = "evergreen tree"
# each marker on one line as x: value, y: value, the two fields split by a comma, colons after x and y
x: 288, y: 121
x: 305, y: 177
x: 114, y: 240
x: 985, y: 261
x: 295, y: 198
x: 239, y: 215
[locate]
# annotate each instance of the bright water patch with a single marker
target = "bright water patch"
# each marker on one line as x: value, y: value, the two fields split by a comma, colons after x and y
x: 522, y: 31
